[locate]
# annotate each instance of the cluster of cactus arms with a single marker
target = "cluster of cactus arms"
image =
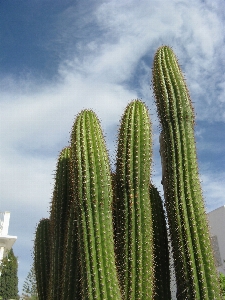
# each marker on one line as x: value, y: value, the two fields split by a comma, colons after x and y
x: 196, y: 274
x: 107, y: 236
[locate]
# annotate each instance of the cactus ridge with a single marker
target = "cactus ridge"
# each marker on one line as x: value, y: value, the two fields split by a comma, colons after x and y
x: 194, y: 264
x: 93, y: 188
x: 42, y: 257
x: 134, y: 235
x: 62, y: 197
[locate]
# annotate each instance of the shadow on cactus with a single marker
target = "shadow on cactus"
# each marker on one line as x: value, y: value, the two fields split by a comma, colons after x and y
x: 42, y: 246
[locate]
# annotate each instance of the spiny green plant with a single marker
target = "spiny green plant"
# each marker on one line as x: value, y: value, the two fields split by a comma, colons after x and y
x: 196, y: 274
x: 70, y: 281
x: 30, y: 285
x: 134, y: 233
x: 93, y: 197
x: 42, y: 257
x: 62, y: 197
x: 82, y: 245
x: 161, y: 249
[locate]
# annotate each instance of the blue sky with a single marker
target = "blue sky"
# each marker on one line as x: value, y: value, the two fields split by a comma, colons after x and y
x: 58, y: 57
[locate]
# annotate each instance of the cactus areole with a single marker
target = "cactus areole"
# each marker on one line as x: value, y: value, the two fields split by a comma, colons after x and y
x: 193, y: 258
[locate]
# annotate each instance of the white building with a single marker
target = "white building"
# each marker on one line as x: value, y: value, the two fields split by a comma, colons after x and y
x: 6, y: 241
x: 217, y: 230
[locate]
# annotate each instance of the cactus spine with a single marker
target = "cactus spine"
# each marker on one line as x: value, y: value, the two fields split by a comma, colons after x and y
x: 161, y: 250
x: 134, y: 234
x: 62, y: 197
x: 42, y: 257
x: 93, y: 194
x: 194, y: 264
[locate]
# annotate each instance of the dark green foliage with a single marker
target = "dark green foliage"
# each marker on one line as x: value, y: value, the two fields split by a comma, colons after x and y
x: 9, y: 278
x: 222, y: 284
x: 194, y: 264
x: 42, y: 258
x: 30, y: 286
x: 161, y: 250
x: 93, y: 198
x: 62, y: 197
x: 134, y: 233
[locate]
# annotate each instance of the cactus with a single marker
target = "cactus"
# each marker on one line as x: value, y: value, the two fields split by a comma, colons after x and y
x: 62, y: 197
x: 71, y: 265
x: 134, y: 234
x: 93, y: 196
x: 193, y: 257
x: 161, y: 249
x: 42, y: 258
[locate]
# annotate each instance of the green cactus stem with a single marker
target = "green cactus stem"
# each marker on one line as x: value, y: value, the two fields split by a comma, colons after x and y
x: 134, y: 233
x: 94, y: 196
x: 42, y: 258
x: 71, y: 289
x: 161, y: 247
x: 62, y: 197
x: 196, y: 274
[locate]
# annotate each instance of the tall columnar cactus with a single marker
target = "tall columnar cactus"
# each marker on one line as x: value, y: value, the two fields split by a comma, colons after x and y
x: 70, y: 281
x: 161, y: 247
x: 193, y: 258
x: 134, y: 233
x: 62, y: 197
x: 42, y: 258
x: 93, y: 194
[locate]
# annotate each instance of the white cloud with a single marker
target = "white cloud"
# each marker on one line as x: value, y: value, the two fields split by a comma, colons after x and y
x: 36, y: 119
x: 34, y: 131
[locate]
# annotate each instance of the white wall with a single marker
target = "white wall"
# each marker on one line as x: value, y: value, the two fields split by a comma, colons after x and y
x: 6, y: 241
x: 217, y: 229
